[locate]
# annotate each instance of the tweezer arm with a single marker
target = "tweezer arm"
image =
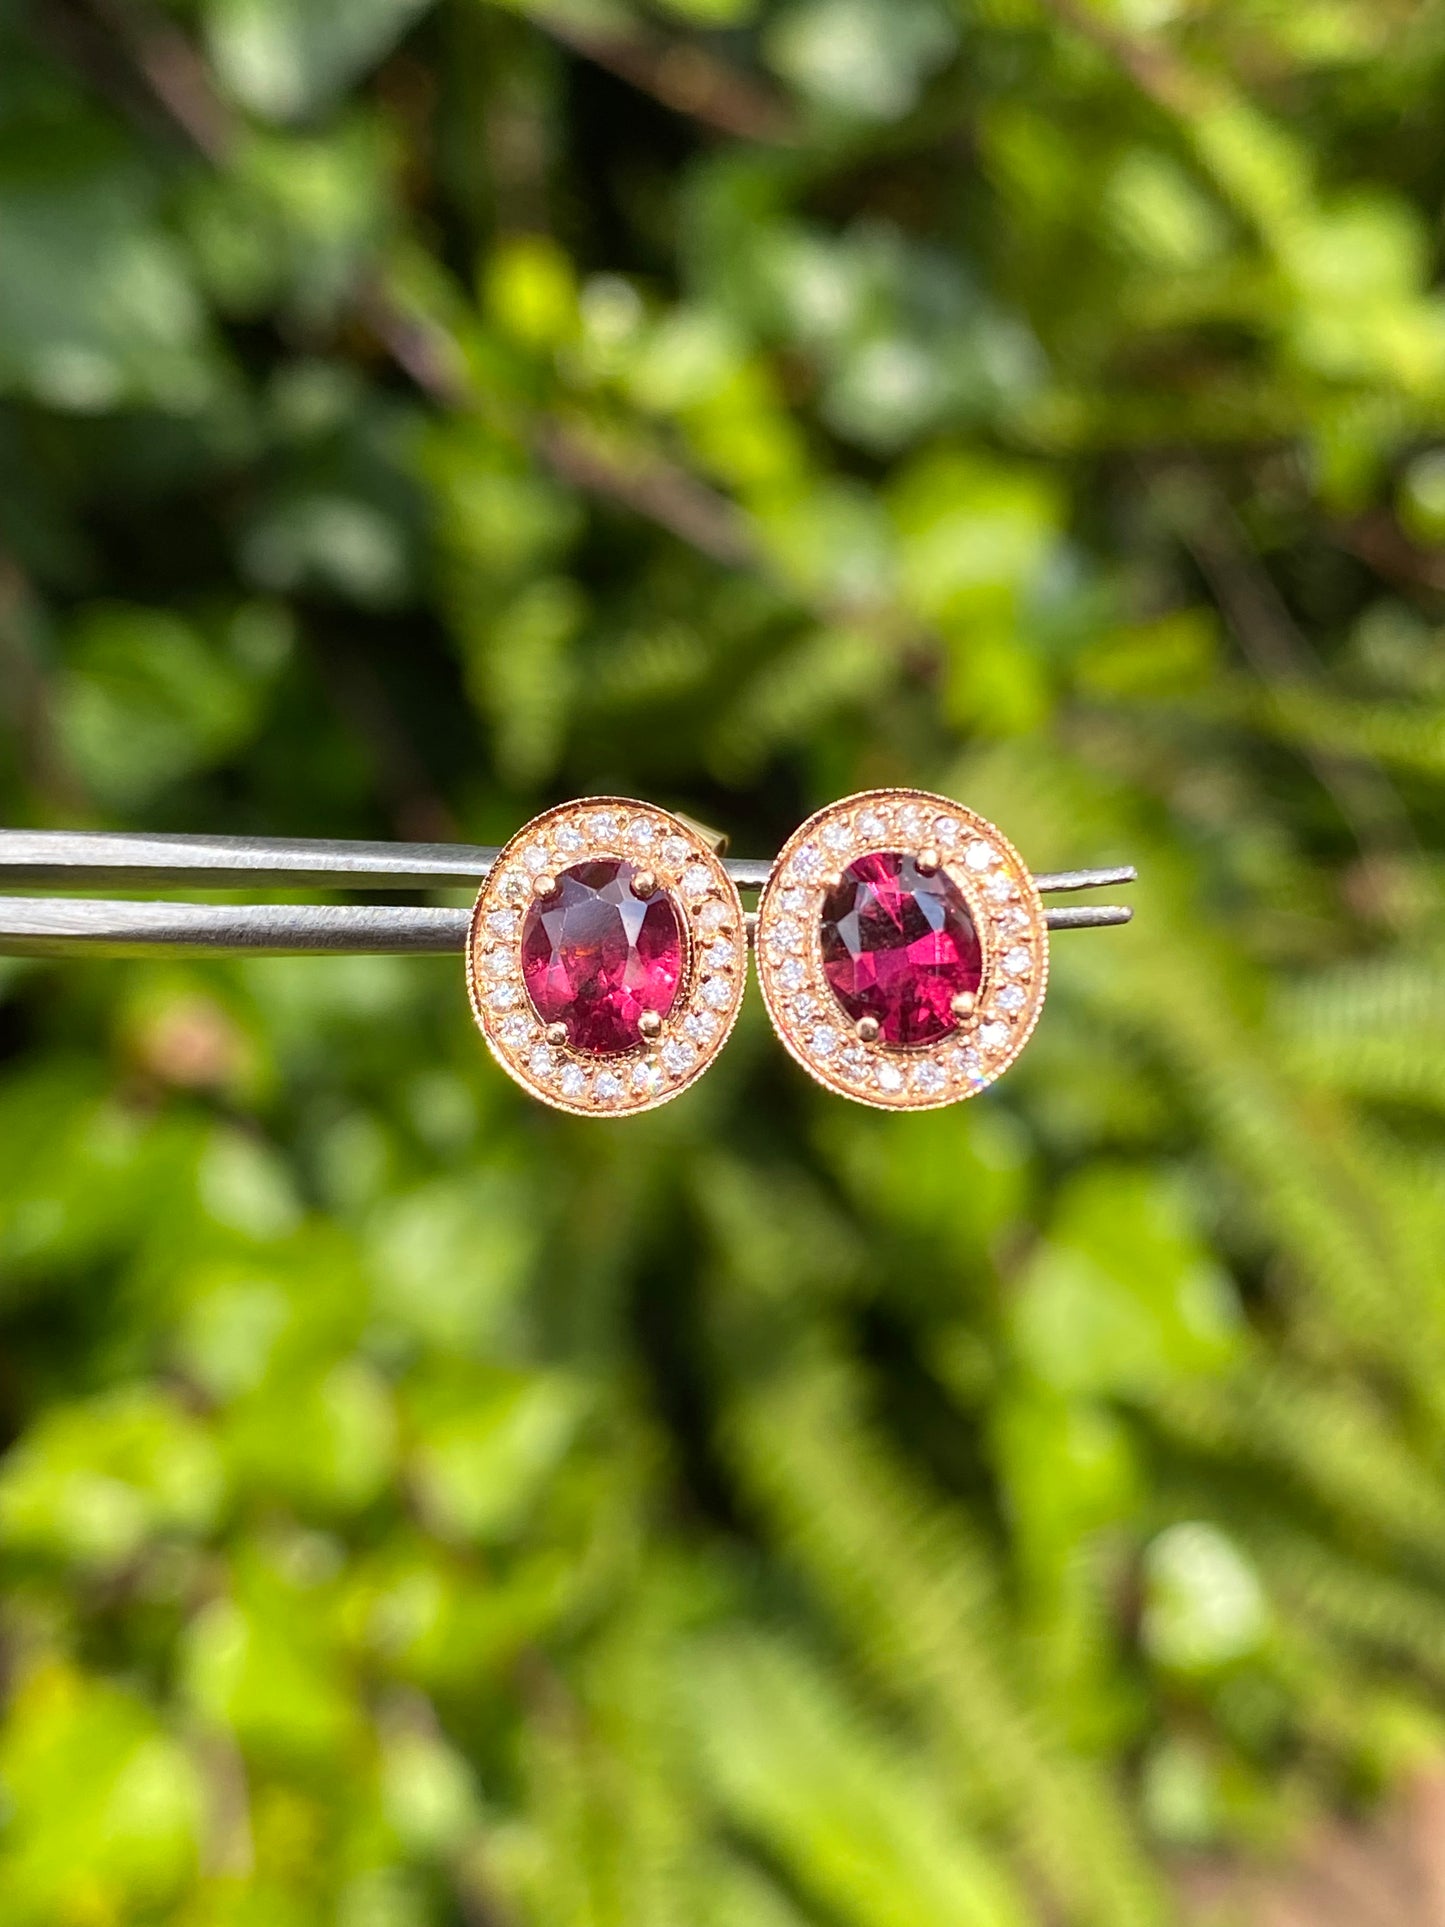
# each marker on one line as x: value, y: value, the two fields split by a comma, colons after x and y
x: 84, y: 927
x: 97, y: 859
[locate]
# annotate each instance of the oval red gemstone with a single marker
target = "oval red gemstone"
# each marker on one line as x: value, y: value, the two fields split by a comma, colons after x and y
x: 899, y: 946
x: 595, y: 957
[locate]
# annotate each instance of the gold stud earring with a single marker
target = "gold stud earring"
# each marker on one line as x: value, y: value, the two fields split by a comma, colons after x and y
x: 607, y: 956
x: 902, y: 949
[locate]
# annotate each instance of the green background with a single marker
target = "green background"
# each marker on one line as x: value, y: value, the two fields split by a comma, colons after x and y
x: 418, y: 1507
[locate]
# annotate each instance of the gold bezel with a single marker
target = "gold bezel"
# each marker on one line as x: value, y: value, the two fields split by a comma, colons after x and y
x: 714, y: 966
x: 1008, y: 915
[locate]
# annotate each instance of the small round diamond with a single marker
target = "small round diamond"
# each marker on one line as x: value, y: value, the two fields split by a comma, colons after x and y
x: 602, y: 825
x: 930, y: 1079
x: 696, y: 880
x: 837, y: 835
x: 573, y: 1081
x: 503, y: 923
x: 675, y: 851
x: 993, y: 1036
x: 890, y: 1078
x: 536, y: 857
x: 946, y: 830
x: 568, y: 838
x: 712, y: 916
x: 998, y: 889
x: 677, y: 1056
x: 871, y: 826
x: 716, y: 993
x: 963, y: 1060
x: 806, y: 1007
x: 542, y: 1062
x: 978, y: 856
x: 514, y: 1030
x: 822, y: 1040
x: 497, y: 963
x: 808, y: 862
x: 1016, y: 918
x: 641, y: 833
x: 910, y: 823
x: 720, y: 956
x: 792, y: 974
x: 787, y: 933
x: 701, y: 1026
x: 646, y: 1077
x: 794, y: 901
x: 855, y: 1061
x: 608, y: 1086
x: 502, y: 997
x: 1011, y: 999
x: 1017, y: 962
x: 514, y: 887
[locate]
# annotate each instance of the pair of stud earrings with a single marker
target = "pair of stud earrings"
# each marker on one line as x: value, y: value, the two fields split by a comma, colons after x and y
x: 902, y: 947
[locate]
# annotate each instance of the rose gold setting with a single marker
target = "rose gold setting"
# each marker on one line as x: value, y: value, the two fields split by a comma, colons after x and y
x: 1007, y: 912
x: 682, y: 862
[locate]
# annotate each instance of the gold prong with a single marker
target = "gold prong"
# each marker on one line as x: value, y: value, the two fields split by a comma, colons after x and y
x: 557, y: 1036
x: 544, y: 885
x: 964, y: 1004
x: 649, y: 1025
x: 644, y: 884
x: 867, y: 1030
x: 833, y: 881
x: 929, y: 861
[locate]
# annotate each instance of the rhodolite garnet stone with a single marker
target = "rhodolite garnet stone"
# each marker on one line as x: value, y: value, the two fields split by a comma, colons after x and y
x: 899, y: 946
x: 595, y: 956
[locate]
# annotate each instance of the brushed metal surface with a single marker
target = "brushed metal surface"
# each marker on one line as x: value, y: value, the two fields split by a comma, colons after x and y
x: 89, y: 927
x: 101, y: 859
x: 73, y: 927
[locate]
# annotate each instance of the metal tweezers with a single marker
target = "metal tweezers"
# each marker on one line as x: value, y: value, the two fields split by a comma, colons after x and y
x: 70, y: 926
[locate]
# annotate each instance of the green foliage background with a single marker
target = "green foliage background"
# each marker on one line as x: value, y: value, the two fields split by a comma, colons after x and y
x: 421, y: 1508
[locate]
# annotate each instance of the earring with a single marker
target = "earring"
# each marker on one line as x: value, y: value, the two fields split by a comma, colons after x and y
x: 902, y: 949
x: 606, y: 956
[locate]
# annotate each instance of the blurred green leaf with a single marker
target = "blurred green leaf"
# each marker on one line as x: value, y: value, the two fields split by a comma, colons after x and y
x: 97, y: 311
x: 858, y: 56
x: 285, y: 59
x: 147, y: 699
x: 1120, y: 1293
x: 804, y: 1773
x: 97, y: 1482
x: 125, y: 1839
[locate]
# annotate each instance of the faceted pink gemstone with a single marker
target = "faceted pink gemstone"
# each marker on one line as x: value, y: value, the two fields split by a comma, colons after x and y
x: 899, y: 946
x: 595, y: 957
